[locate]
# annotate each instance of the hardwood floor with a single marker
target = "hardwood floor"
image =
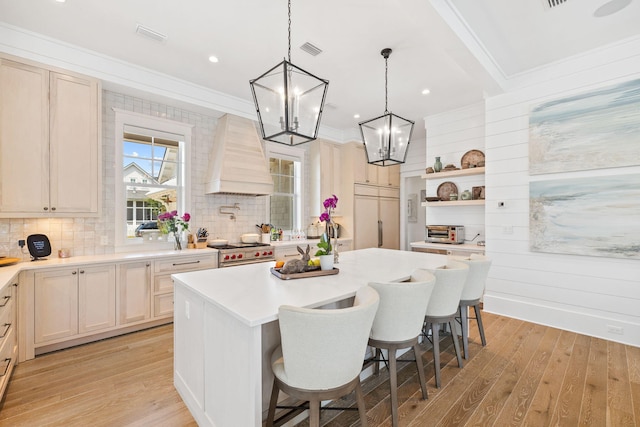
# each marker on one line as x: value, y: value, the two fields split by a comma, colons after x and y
x: 528, y: 375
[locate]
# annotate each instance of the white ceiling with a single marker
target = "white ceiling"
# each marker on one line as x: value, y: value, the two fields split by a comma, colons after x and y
x: 430, y: 49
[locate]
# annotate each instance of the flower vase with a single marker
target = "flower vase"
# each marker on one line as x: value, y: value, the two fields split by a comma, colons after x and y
x: 177, y: 244
x: 326, y: 262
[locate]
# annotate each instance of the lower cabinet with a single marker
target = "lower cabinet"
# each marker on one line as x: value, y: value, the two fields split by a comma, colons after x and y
x: 73, y: 301
x: 8, y: 336
x: 134, y: 292
x: 62, y: 307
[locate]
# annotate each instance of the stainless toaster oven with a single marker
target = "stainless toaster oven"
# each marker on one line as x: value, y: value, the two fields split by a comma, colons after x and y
x: 445, y: 234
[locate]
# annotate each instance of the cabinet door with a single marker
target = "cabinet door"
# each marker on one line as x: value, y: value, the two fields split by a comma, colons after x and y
x: 24, y: 138
x: 364, y: 172
x: 366, y: 222
x: 56, y: 304
x: 390, y: 218
x: 134, y: 292
x: 74, y: 144
x: 97, y: 298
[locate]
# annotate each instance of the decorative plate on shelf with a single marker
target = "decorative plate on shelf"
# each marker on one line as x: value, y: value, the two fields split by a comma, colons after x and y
x: 445, y: 189
x: 471, y: 159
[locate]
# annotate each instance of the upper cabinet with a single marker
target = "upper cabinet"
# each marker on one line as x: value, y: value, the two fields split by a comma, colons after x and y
x: 49, y: 142
x: 326, y: 175
x: 366, y: 173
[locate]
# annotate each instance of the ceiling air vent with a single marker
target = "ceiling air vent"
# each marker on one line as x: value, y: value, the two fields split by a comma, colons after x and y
x: 311, y: 49
x: 152, y: 34
x: 550, y: 4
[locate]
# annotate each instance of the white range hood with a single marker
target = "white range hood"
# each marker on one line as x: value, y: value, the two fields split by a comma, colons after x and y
x: 237, y: 164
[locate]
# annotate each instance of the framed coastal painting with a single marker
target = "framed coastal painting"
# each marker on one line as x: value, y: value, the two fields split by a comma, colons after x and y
x: 592, y: 130
x: 586, y: 216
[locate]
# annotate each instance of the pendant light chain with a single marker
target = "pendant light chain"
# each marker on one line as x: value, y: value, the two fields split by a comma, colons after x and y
x: 386, y: 72
x: 289, y: 30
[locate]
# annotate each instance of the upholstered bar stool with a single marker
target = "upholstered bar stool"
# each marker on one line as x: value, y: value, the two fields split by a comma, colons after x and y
x: 321, y: 353
x: 443, y: 306
x: 397, y: 325
x: 472, y: 295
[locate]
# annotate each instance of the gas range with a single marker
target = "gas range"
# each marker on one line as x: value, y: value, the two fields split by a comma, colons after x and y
x: 244, y: 253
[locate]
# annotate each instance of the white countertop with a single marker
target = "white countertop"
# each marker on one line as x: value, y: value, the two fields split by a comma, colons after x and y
x: 252, y: 294
x: 8, y: 272
x: 283, y: 243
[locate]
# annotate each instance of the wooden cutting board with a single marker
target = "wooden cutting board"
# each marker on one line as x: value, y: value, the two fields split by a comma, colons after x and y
x: 8, y: 261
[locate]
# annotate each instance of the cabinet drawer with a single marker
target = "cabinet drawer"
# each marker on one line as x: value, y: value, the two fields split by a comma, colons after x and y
x: 163, y: 284
x: 6, y: 299
x: 390, y: 192
x: 163, y: 305
x: 7, y: 322
x: 365, y: 190
x: 175, y: 265
x: 7, y: 359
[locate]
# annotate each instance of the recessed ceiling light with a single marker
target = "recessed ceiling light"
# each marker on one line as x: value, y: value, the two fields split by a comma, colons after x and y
x: 426, y: 91
x: 611, y: 7
x: 61, y: 1
x: 356, y: 116
x: 213, y: 59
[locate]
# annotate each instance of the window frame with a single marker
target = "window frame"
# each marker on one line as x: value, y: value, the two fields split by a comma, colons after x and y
x: 285, y: 152
x: 158, y: 125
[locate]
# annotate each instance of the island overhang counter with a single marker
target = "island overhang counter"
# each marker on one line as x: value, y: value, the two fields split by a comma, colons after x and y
x: 225, y: 326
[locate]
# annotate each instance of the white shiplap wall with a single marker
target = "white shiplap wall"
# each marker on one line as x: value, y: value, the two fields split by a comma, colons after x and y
x: 449, y: 136
x: 584, y: 294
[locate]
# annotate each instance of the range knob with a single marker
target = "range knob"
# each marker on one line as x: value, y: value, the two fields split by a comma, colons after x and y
x: 270, y: 252
x: 226, y: 257
x: 257, y: 254
x: 233, y: 256
x: 264, y: 254
x: 239, y: 256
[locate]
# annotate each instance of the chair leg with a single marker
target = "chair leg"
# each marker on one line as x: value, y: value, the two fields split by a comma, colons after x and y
x: 435, y: 332
x: 420, y: 368
x: 361, y: 409
x: 393, y: 385
x: 376, y: 363
x: 456, y: 345
x: 272, y: 405
x: 464, y: 328
x: 476, y: 309
x: 314, y: 413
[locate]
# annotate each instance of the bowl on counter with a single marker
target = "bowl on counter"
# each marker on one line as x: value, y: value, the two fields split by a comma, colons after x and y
x: 218, y: 242
x: 250, y: 238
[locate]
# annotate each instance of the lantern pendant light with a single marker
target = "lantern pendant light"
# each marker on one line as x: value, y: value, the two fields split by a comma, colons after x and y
x: 386, y: 138
x: 289, y: 101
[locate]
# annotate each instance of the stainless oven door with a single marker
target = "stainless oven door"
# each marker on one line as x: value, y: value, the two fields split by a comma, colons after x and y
x: 235, y: 263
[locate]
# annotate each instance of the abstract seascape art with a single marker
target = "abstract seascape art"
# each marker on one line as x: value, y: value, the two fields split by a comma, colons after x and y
x: 594, y: 130
x: 586, y: 216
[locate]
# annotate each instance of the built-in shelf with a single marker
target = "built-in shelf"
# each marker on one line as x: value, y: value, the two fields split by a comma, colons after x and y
x: 455, y: 203
x: 455, y: 173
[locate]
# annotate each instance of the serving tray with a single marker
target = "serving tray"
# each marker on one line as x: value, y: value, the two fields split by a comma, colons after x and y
x: 312, y: 273
x: 8, y: 261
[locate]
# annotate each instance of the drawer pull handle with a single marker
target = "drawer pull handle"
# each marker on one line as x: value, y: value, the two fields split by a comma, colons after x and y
x: 290, y: 255
x: 6, y: 300
x: 7, y: 326
x: 186, y: 263
x: 6, y: 368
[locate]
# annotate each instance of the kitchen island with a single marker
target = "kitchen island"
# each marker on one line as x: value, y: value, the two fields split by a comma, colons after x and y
x: 225, y: 327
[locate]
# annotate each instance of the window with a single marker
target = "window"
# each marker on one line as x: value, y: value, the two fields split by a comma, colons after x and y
x: 285, y: 204
x: 152, y: 172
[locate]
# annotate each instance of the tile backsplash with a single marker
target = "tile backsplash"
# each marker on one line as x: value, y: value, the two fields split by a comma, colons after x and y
x: 94, y: 236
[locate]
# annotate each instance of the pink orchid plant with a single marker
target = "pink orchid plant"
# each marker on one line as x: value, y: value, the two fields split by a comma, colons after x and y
x: 171, y: 222
x: 324, y: 247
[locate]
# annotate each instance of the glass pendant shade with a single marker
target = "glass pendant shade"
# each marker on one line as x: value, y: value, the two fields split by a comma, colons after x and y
x: 386, y: 139
x: 289, y: 103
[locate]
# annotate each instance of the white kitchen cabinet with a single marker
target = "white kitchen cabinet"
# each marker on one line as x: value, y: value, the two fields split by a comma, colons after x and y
x: 376, y: 218
x: 134, y: 292
x: 363, y: 171
x: 73, y: 301
x: 96, y: 298
x: 56, y: 304
x: 8, y: 336
x: 49, y: 144
x: 163, y: 284
x: 326, y: 175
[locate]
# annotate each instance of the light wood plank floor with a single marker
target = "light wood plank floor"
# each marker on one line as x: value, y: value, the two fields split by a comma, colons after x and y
x: 528, y: 375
